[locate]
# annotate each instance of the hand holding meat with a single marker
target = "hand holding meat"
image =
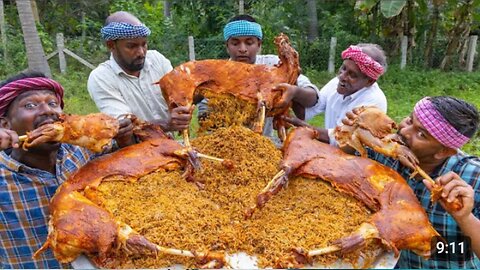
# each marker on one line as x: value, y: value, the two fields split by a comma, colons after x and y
x: 8, y: 139
x: 369, y: 126
x: 125, y: 136
x: 288, y: 92
x: 454, y: 188
x: 180, y: 118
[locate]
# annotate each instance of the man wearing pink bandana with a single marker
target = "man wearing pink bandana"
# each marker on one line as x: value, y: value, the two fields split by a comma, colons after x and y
x: 355, y: 85
x: 29, y: 179
x: 435, y: 131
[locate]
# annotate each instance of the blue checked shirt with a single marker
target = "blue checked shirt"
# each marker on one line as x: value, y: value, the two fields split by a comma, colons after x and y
x: 25, y: 194
x: 468, y: 168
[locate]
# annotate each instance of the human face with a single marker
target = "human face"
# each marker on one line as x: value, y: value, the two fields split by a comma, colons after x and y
x: 244, y: 49
x: 418, y: 139
x: 129, y: 53
x: 32, y: 109
x: 351, y: 79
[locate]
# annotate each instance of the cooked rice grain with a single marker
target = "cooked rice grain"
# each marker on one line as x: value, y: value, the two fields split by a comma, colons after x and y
x: 174, y: 213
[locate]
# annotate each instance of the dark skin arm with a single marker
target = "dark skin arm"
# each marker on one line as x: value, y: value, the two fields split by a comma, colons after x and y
x: 349, y: 121
x: 455, y: 187
x: 301, y: 97
x: 8, y: 139
x: 125, y: 136
x: 179, y: 119
x: 322, y: 132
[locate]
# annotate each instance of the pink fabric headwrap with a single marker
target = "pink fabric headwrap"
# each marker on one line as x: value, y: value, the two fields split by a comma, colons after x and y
x: 365, y: 63
x: 13, y: 89
x: 437, y: 126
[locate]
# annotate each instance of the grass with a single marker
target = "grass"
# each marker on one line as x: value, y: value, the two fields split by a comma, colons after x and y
x: 403, y: 89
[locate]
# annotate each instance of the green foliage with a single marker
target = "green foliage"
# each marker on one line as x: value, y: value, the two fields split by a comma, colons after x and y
x: 391, y: 8
x: 76, y: 97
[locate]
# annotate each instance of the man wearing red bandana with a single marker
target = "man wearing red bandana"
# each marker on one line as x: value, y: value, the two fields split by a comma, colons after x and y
x: 435, y: 131
x: 29, y: 179
x: 355, y: 85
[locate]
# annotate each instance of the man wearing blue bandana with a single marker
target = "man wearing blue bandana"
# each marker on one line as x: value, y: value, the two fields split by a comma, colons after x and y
x: 124, y: 83
x: 243, y: 38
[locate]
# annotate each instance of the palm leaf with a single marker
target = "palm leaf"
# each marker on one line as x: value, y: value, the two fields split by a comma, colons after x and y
x: 391, y: 8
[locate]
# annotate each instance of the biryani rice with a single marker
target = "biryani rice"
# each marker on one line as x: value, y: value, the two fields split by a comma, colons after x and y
x: 224, y: 110
x: 172, y: 212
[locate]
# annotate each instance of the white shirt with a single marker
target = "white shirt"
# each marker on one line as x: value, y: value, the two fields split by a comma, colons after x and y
x: 335, y: 106
x: 116, y: 92
x: 269, y: 60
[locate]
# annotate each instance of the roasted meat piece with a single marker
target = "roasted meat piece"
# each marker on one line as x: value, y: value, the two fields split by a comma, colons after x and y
x: 374, y: 129
x: 251, y: 83
x: 94, y: 131
x: 399, y: 221
x: 78, y: 223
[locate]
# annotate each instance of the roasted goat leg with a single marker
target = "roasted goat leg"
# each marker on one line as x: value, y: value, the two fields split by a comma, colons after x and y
x: 79, y: 226
x: 93, y: 131
x: 299, y: 257
x: 398, y: 220
x: 374, y: 129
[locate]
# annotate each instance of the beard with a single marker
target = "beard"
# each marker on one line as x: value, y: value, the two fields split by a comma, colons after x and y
x: 135, y: 65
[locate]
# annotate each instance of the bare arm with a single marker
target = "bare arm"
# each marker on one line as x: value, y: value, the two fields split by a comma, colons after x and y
x: 179, y: 119
x: 322, y: 132
x: 8, y: 139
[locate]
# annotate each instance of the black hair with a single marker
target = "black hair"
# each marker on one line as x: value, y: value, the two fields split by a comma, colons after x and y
x: 463, y: 116
x: 23, y: 75
x: 243, y: 17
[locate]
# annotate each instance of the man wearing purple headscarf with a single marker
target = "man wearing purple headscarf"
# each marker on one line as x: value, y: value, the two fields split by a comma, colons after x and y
x: 29, y: 179
x: 435, y: 131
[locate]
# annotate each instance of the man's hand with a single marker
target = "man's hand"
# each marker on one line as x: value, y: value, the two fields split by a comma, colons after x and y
x: 350, y: 117
x: 294, y: 121
x: 455, y: 187
x: 8, y: 139
x: 288, y: 94
x: 180, y: 118
x: 321, y: 133
x: 124, y: 136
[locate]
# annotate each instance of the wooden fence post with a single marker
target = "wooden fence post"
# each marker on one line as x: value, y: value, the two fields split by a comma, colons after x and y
x: 61, y: 56
x: 84, y: 32
x: 241, y: 7
x: 3, y: 34
x: 191, y: 48
x: 166, y: 9
x: 403, y: 61
x: 472, y: 48
x: 331, y: 58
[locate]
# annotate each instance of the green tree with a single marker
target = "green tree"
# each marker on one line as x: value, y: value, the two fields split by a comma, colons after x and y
x: 35, y: 53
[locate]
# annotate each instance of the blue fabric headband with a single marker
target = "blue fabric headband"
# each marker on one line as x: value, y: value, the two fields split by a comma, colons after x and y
x: 242, y: 28
x: 120, y: 30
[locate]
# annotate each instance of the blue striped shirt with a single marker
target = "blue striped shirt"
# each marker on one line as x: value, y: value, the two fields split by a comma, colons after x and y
x: 25, y: 194
x: 468, y: 168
